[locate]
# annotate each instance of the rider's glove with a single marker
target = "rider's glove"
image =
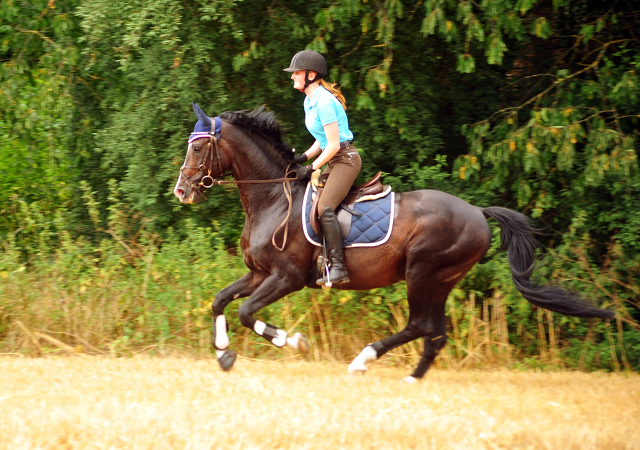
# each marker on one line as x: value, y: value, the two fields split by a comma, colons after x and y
x: 304, y: 172
x: 299, y: 159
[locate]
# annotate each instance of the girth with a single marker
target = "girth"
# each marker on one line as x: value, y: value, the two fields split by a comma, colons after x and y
x: 371, y: 187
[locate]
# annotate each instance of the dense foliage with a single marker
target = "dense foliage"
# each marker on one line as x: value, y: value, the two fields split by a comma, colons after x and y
x: 527, y: 104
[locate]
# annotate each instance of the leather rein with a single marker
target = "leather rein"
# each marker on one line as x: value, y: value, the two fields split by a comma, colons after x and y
x: 208, y: 181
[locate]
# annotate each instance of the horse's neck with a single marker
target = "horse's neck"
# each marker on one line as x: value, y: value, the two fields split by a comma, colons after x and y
x: 252, y: 161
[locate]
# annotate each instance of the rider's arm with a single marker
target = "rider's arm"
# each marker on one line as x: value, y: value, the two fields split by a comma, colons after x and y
x: 332, y: 132
x: 314, y: 150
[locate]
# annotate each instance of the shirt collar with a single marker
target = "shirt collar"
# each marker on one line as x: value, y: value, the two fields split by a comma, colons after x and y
x: 316, y: 95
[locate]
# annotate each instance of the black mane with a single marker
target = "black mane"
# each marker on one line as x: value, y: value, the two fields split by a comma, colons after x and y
x: 264, y: 123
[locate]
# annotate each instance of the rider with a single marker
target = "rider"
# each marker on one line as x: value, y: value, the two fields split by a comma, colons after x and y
x: 327, y: 121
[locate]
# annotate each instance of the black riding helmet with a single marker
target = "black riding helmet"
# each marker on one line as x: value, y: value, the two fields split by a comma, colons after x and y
x: 308, y: 60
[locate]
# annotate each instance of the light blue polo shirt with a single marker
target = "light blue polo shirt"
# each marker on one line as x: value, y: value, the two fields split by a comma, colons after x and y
x: 322, y: 109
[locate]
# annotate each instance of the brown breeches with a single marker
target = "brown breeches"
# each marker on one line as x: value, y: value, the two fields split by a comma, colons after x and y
x: 343, y: 169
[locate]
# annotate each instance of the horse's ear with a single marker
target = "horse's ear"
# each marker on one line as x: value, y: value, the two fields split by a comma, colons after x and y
x: 201, y: 116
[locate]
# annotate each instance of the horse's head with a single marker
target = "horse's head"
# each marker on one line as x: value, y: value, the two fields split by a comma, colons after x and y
x: 204, y: 159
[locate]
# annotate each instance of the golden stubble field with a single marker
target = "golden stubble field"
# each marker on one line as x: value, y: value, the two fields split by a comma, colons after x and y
x: 187, y: 403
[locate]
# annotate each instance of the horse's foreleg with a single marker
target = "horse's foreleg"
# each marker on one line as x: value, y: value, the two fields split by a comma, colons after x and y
x: 242, y: 287
x: 273, y: 288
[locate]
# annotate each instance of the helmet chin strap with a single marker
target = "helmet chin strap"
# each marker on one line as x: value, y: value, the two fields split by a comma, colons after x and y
x: 307, y: 81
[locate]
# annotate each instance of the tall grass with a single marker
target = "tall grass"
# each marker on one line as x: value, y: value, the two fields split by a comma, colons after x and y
x: 113, y: 288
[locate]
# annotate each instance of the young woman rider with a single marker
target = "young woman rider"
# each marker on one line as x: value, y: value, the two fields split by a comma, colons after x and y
x: 326, y: 120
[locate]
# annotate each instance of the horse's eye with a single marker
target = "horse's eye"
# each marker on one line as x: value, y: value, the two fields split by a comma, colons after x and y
x: 196, y: 149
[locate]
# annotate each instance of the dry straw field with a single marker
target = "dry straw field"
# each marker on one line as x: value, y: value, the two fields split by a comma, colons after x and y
x: 187, y: 403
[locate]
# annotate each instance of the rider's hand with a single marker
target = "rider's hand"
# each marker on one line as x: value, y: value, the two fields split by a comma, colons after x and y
x: 299, y: 159
x: 304, y: 172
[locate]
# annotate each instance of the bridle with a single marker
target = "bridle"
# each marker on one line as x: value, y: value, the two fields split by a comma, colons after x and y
x: 208, y: 181
x: 205, y: 167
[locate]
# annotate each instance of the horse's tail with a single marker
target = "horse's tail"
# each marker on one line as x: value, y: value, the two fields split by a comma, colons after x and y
x: 517, y: 238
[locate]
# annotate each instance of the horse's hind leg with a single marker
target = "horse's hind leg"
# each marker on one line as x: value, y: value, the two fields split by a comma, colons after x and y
x: 432, y: 346
x: 426, y: 319
x: 434, y: 340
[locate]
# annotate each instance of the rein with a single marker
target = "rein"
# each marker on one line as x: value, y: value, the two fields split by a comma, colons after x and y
x: 208, y: 181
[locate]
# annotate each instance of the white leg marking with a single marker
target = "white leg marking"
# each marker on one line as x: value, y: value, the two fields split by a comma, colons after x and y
x: 294, y: 341
x: 367, y: 355
x: 280, y: 339
x: 222, y: 340
x: 298, y: 342
x: 219, y: 353
x: 410, y: 380
x: 259, y: 327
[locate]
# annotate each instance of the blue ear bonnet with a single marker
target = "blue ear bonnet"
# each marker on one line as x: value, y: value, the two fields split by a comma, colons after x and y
x: 199, y: 128
x: 202, y: 128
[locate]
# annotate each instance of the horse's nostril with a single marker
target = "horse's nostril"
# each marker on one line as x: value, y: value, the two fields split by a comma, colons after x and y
x: 179, y: 193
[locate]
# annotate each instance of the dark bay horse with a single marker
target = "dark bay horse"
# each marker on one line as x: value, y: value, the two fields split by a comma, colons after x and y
x: 437, y: 238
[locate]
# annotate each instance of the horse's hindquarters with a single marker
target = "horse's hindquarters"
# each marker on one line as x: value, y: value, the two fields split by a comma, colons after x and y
x: 435, y: 235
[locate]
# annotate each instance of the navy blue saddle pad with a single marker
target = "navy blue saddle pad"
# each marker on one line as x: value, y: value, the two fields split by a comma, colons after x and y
x: 371, y: 229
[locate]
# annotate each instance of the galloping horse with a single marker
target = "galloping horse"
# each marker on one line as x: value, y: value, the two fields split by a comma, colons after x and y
x: 437, y: 238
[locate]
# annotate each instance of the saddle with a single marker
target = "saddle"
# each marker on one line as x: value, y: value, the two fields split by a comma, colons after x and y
x: 367, y: 191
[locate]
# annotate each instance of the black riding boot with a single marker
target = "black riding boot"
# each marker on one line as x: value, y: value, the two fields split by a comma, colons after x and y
x: 333, y: 241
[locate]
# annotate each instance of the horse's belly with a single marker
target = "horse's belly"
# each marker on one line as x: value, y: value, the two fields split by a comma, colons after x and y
x: 374, y: 267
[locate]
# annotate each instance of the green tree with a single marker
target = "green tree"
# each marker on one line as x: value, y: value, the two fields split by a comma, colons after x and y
x: 37, y: 73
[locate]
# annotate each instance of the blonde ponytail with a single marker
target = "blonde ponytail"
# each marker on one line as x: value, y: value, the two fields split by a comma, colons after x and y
x: 331, y: 87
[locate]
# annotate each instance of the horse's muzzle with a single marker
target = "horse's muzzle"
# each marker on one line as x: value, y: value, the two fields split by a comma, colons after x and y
x: 187, y: 197
x: 185, y: 193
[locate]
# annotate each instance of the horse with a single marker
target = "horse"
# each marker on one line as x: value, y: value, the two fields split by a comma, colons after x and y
x: 436, y: 239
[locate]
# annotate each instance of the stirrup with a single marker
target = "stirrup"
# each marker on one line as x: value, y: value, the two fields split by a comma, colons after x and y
x: 327, y: 281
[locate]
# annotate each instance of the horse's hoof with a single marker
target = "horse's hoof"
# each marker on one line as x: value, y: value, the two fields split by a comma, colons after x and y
x: 410, y: 380
x: 227, y: 359
x: 357, y: 369
x: 298, y: 342
x: 359, y: 365
x: 303, y: 345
